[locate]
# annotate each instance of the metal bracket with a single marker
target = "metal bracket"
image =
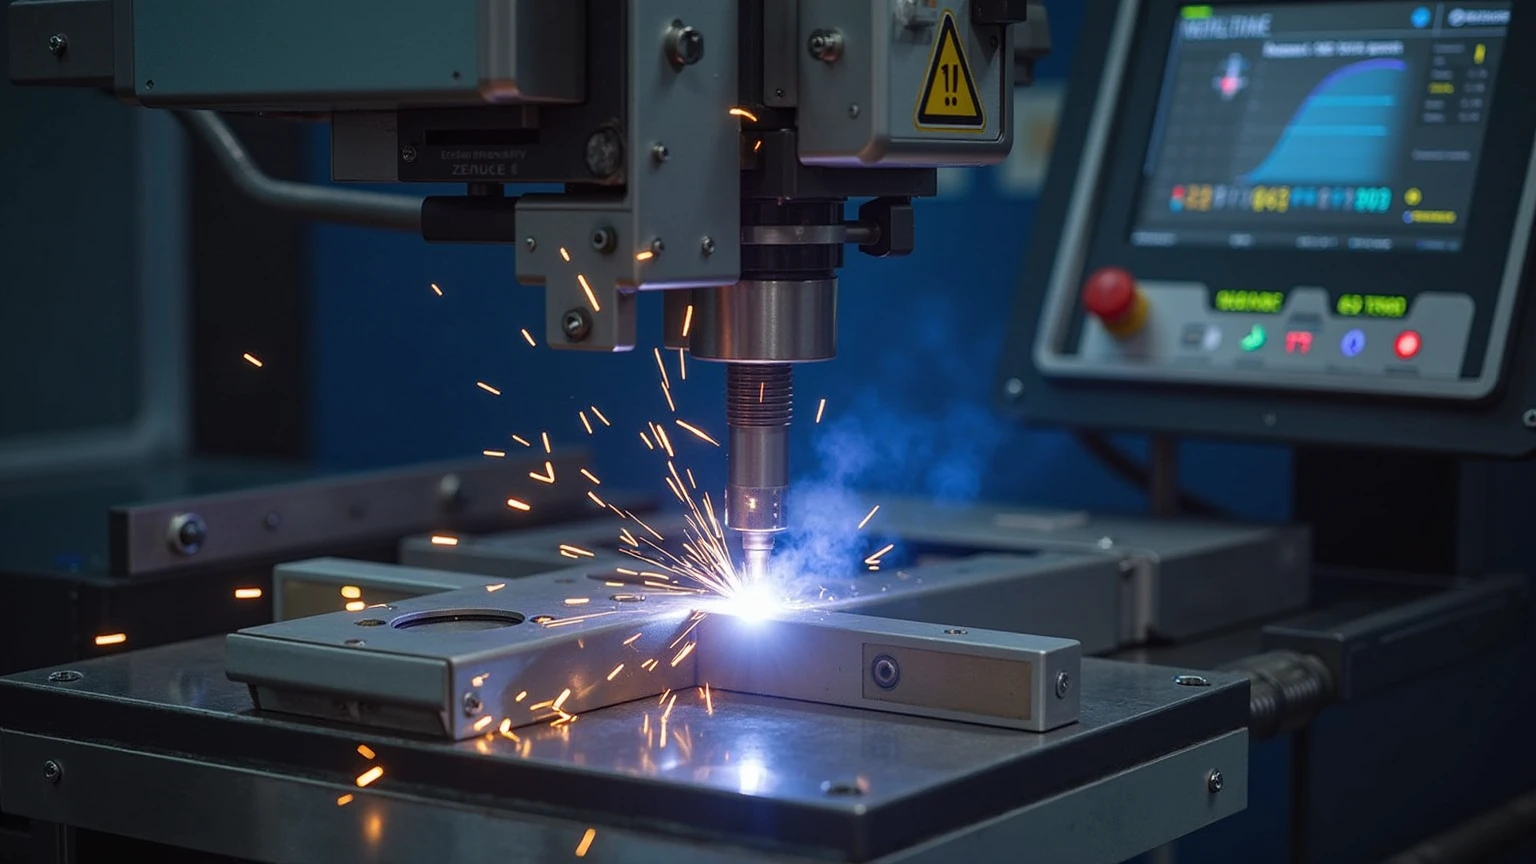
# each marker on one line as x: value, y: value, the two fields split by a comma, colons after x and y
x: 505, y: 656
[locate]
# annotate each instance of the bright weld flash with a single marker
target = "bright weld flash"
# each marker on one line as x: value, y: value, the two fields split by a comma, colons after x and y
x: 247, y: 593
x: 487, y: 388
x: 444, y: 540
x: 370, y: 775
x: 252, y: 359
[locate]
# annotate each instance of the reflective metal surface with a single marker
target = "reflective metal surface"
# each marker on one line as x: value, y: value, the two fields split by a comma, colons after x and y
x: 767, y: 773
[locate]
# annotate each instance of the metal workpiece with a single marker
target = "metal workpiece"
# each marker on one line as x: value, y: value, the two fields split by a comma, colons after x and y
x: 330, y: 512
x: 319, y: 585
x: 514, y: 654
x: 69, y: 43
x: 659, y: 223
x: 802, y: 782
x: 1182, y: 577
x: 869, y: 106
x: 930, y: 670
x: 766, y: 321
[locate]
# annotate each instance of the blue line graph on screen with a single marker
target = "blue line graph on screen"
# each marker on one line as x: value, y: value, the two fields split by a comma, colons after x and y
x: 1343, y: 131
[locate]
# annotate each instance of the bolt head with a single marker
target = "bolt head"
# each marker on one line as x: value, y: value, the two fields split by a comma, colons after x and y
x: 58, y: 43
x: 657, y: 247
x: 575, y: 324
x: 660, y: 153
x: 707, y: 245
x: 408, y: 154
x: 1214, y: 782
x: 530, y: 243
x: 472, y: 704
x: 885, y: 672
x: 853, y: 110
x: 64, y: 676
x: 604, y: 240
x: 685, y: 45
x: 1063, y: 685
x: 187, y: 533
x: 272, y: 521
x: 53, y: 772
x: 1013, y: 388
x: 605, y: 153
x: 1529, y: 418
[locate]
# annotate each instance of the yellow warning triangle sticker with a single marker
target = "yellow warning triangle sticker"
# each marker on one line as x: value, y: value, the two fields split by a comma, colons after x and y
x: 948, y: 100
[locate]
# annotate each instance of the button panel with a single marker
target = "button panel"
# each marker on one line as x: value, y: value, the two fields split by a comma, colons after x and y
x: 1305, y: 337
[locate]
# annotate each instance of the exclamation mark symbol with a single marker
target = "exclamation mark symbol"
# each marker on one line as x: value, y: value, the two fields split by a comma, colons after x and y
x: 951, y: 84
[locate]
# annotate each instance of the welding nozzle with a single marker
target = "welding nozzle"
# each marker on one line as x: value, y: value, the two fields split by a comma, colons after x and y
x: 759, y: 405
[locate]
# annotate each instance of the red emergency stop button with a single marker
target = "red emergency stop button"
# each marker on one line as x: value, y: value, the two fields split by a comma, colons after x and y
x: 1111, y: 295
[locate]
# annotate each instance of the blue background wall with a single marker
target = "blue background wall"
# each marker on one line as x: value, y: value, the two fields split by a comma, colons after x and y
x: 919, y: 339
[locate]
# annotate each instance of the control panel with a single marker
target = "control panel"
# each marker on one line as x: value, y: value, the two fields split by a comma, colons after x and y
x: 1312, y: 196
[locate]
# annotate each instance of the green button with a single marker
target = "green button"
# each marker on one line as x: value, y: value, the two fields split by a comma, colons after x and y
x: 1255, y: 338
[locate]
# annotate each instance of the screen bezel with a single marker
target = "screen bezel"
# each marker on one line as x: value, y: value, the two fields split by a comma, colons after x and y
x: 1106, y: 208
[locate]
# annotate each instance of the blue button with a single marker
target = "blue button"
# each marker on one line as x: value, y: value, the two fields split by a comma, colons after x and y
x: 1422, y: 17
x: 1353, y: 344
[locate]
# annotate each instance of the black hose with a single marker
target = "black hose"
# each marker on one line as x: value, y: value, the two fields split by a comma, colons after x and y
x: 310, y: 200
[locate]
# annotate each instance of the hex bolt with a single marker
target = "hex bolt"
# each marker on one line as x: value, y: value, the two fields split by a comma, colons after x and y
x: 408, y: 154
x: 575, y: 324
x: 660, y: 153
x: 604, y: 239
x: 472, y: 704
x: 451, y: 494
x: 1529, y: 418
x: 531, y: 243
x: 64, y: 676
x: 885, y: 672
x: 853, y: 111
x: 1013, y: 388
x: 1214, y: 781
x: 826, y: 45
x: 1191, y: 681
x: 605, y: 153
x: 1063, y: 685
x: 58, y: 43
x: 186, y: 534
x: 657, y: 247
x: 684, y: 45
x: 707, y: 245
x: 272, y: 521
x: 53, y: 772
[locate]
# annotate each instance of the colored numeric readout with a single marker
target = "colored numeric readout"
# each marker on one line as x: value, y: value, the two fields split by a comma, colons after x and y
x: 1372, y: 306
x: 1261, y: 302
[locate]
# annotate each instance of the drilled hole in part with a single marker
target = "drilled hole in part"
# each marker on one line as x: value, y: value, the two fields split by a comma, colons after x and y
x: 370, y: 622
x: 458, y: 620
x: 1190, y: 681
x: 627, y: 598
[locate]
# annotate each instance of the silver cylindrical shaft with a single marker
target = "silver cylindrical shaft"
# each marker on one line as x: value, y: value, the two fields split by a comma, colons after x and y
x: 759, y: 405
x: 766, y: 321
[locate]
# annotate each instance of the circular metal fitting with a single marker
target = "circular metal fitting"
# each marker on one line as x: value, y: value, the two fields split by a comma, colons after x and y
x: 1063, y: 685
x: 472, y: 704
x: 1013, y: 388
x: 605, y: 153
x: 604, y: 239
x: 826, y: 45
x: 885, y: 672
x: 1529, y: 418
x: 766, y: 321
x: 53, y: 772
x: 531, y: 243
x: 707, y: 245
x: 793, y: 235
x: 1214, y: 782
x: 1191, y: 681
x: 451, y: 494
x: 684, y: 45
x: 58, y: 43
x: 408, y: 154
x: 660, y: 153
x: 64, y: 676
x: 186, y: 533
x: 576, y: 324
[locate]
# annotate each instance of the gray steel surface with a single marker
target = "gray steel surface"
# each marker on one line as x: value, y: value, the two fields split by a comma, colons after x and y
x: 287, y: 519
x: 779, y: 788
x: 296, y: 53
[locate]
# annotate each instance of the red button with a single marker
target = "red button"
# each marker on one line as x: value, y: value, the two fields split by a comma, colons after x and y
x: 1110, y: 293
x: 1407, y: 345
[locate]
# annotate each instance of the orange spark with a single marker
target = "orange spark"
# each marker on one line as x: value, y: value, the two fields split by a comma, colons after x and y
x: 820, y: 408
x: 436, y: 290
x: 365, y: 751
x: 586, y: 843
x: 370, y: 775
x: 591, y: 297
x: 682, y: 364
x: 648, y: 444
x: 665, y: 381
x: 247, y: 593
x: 688, y: 320
x: 875, y: 558
x: 491, y: 589
x: 111, y: 639
x: 347, y: 798
x: 356, y: 606
x: 616, y: 670
x: 494, y: 454
x: 529, y: 336
x: 631, y: 640
x: 742, y: 112
x: 687, y: 649
x: 484, y: 722
x: 560, y: 700
x: 865, y: 521
x: 599, y: 415
x: 545, y: 437
x: 698, y: 432
x: 444, y: 540
x: 584, y: 421
x: 566, y: 255
x: 252, y: 359
x: 590, y: 476
x: 646, y: 255
x: 521, y: 440
x: 596, y: 500
x: 351, y: 592
x: 487, y: 388
x: 518, y: 505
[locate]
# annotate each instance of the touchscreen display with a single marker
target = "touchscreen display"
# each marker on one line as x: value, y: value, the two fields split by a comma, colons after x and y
x: 1321, y: 126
